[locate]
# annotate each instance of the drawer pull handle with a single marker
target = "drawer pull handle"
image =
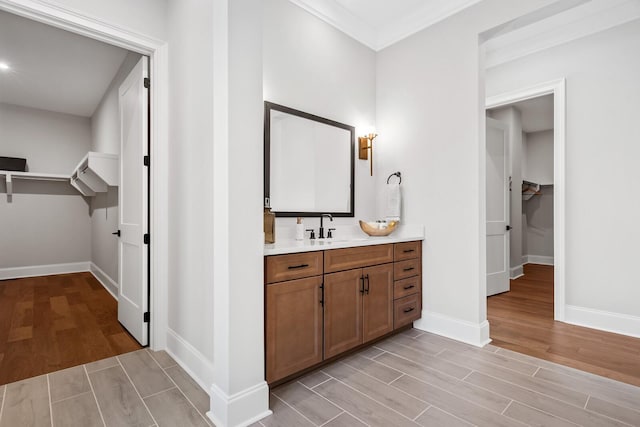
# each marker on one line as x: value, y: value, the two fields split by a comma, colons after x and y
x: 409, y: 310
x: 406, y: 251
x: 406, y: 269
x: 409, y: 287
x: 295, y: 267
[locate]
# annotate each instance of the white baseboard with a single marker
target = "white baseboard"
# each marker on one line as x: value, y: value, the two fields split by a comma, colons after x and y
x: 190, y: 359
x: 240, y: 409
x: 516, y: 272
x: 538, y: 259
x: 105, y: 280
x: 476, y: 334
x: 624, y: 324
x: 43, y: 270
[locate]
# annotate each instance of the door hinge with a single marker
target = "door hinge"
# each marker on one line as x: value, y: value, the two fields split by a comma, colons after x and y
x: 147, y: 239
x: 147, y: 82
x: 146, y: 317
x: 146, y: 160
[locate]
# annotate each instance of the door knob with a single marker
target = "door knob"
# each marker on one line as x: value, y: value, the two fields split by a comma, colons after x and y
x: 117, y: 233
x: 508, y: 227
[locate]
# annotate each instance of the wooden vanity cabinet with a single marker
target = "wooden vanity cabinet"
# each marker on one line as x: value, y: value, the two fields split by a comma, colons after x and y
x: 407, y: 287
x: 321, y: 304
x: 294, y: 319
x: 358, y: 307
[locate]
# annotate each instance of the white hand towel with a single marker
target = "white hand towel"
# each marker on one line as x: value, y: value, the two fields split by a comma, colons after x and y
x: 394, y: 201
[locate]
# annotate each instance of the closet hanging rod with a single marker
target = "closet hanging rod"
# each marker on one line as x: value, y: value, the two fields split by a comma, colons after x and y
x: 398, y: 174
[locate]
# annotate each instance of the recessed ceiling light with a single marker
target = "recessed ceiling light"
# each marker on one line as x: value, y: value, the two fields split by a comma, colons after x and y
x: 4, y: 66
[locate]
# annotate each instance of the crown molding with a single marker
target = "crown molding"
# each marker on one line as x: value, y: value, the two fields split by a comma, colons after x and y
x: 392, y: 32
x: 582, y: 21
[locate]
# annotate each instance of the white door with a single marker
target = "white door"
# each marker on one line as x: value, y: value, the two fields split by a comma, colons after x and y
x: 497, y: 207
x: 133, y: 294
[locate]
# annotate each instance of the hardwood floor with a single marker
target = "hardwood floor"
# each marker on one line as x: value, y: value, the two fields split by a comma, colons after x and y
x: 522, y: 320
x: 54, y: 322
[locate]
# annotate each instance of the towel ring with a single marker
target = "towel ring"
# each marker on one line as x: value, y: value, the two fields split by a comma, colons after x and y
x: 395, y: 174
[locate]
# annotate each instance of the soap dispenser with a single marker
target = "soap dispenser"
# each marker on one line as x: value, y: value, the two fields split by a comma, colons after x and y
x: 299, y: 229
x: 269, y: 223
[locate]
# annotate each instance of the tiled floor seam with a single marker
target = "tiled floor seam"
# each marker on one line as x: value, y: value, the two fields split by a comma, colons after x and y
x: 294, y: 409
x: 494, y: 364
x: 533, y: 391
x: 423, y: 411
x: 333, y: 403
x: 164, y: 370
x: 328, y: 421
x: 50, y: 404
x: 53, y: 402
x: 440, y: 388
x: 377, y: 401
x: 550, y: 397
x: 93, y: 393
x: 421, y: 364
x: 328, y: 379
x: 507, y: 407
x: 136, y: 389
x: 587, y: 402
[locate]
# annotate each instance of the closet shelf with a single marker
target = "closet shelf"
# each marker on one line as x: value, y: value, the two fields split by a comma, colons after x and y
x: 529, y: 189
x: 9, y: 176
x: 95, y: 173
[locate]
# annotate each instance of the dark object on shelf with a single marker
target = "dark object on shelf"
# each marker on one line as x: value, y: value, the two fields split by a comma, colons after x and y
x: 14, y: 164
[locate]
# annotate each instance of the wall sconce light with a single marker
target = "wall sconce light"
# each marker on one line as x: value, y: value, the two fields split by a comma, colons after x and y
x: 365, y: 149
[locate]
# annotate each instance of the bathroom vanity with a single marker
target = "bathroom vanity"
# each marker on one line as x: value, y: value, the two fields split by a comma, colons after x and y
x: 326, y: 298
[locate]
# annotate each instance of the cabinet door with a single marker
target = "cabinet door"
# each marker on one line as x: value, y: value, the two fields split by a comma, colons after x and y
x: 377, y: 301
x: 294, y: 326
x: 342, y: 311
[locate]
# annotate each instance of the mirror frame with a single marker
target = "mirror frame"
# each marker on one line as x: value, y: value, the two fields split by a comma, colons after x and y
x: 268, y: 106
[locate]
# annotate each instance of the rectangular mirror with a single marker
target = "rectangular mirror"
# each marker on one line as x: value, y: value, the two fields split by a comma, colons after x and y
x: 308, y: 163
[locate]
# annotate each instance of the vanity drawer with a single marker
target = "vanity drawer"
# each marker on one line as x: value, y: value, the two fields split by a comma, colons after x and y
x: 404, y: 287
x: 405, y: 269
x: 292, y: 266
x: 407, y: 250
x: 406, y: 310
x: 348, y: 258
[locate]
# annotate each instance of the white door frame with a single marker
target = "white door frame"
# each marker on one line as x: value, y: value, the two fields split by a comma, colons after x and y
x: 557, y: 88
x: 94, y: 28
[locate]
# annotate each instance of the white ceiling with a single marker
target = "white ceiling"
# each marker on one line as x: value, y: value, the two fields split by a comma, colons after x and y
x: 52, y: 69
x: 537, y: 113
x: 380, y: 23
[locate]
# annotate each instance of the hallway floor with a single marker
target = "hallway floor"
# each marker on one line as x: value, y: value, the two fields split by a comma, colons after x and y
x: 50, y: 323
x: 142, y: 388
x: 417, y: 378
x: 522, y: 320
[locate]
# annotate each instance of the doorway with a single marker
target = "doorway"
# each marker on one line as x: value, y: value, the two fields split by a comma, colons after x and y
x: 62, y: 107
x: 541, y: 97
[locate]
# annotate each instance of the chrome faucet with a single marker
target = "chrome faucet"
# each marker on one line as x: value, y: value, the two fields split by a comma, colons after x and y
x: 321, y: 231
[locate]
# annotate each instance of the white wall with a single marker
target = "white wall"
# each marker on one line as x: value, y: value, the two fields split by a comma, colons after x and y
x: 603, y: 98
x: 512, y: 118
x: 311, y: 66
x: 46, y: 222
x: 429, y: 117
x: 190, y: 36
x: 538, y: 157
x: 105, y: 138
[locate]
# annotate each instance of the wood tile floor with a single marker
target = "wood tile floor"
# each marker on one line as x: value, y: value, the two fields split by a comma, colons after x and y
x: 50, y: 323
x: 417, y: 378
x: 142, y: 388
x: 522, y: 320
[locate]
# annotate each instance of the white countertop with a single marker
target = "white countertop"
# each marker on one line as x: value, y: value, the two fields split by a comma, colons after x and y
x: 404, y: 233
